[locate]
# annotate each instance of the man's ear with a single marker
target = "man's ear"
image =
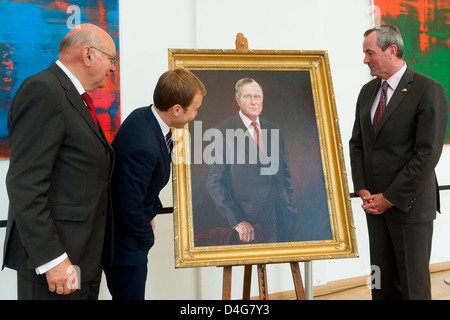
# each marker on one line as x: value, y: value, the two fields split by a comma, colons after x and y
x: 237, y: 100
x: 393, y: 49
x: 86, y: 53
x: 176, y: 110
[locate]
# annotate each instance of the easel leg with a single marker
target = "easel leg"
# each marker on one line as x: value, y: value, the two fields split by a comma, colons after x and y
x: 262, y: 278
x: 298, y: 284
x: 226, y: 285
x: 247, y: 282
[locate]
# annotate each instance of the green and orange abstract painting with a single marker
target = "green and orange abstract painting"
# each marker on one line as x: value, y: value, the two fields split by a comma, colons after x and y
x: 425, y: 27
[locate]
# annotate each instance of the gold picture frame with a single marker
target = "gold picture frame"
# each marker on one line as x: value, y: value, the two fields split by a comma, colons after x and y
x: 326, y: 229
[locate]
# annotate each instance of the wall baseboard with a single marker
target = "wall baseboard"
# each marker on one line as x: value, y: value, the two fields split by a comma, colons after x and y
x: 345, y: 284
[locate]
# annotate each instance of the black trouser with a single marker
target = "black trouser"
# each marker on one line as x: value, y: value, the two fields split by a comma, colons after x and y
x: 127, y: 282
x: 400, y: 253
x: 32, y: 290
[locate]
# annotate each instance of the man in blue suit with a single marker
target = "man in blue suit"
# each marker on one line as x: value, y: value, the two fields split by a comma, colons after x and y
x: 142, y: 170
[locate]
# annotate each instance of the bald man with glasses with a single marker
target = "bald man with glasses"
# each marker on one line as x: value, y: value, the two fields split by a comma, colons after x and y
x: 58, y: 180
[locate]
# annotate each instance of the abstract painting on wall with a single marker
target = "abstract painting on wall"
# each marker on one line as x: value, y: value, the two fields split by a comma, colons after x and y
x: 29, y: 41
x: 425, y: 28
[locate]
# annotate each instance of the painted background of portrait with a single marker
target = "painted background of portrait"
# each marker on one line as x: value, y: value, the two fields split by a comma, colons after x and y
x: 29, y: 40
x: 289, y: 103
x: 425, y: 28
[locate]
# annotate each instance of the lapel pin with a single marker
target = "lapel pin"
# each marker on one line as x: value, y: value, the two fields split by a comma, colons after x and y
x: 404, y: 90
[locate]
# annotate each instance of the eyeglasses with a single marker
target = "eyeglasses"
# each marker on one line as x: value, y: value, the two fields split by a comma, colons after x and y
x: 249, y: 97
x: 112, y: 59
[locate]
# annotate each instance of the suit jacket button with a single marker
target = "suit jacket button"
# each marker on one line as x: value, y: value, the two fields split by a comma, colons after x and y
x: 105, y: 212
x: 411, y: 203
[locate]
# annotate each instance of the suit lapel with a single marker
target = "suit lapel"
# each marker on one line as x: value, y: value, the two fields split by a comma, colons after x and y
x: 267, y: 141
x: 399, y: 94
x: 241, y: 143
x: 239, y: 124
x: 366, y: 107
x: 160, y: 137
x: 77, y: 102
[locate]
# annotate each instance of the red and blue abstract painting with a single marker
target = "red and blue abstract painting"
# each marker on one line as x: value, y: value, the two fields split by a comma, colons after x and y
x: 30, y: 33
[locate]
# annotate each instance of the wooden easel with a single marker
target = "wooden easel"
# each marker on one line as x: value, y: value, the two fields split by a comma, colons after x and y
x: 242, y: 43
x: 262, y: 280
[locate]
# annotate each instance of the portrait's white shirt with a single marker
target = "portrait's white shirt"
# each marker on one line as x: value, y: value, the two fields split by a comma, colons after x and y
x: 248, y: 123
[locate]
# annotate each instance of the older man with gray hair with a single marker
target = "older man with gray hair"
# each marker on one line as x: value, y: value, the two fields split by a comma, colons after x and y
x: 397, y: 139
x: 59, y: 173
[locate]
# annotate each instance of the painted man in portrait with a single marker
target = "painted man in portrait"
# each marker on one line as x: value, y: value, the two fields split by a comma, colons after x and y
x: 248, y: 177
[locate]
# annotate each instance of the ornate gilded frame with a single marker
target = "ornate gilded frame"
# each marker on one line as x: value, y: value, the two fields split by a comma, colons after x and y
x: 343, y: 241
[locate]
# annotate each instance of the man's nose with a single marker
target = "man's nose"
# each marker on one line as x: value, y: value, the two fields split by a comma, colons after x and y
x: 366, y: 60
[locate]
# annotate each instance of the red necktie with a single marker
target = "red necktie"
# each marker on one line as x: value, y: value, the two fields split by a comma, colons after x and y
x: 258, y: 139
x: 380, y: 108
x: 90, y: 104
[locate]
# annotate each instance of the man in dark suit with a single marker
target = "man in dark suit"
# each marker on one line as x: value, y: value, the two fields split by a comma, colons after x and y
x: 393, y: 156
x: 251, y: 184
x: 143, y: 152
x: 59, y: 173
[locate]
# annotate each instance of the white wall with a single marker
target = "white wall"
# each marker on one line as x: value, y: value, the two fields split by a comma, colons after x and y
x: 149, y: 28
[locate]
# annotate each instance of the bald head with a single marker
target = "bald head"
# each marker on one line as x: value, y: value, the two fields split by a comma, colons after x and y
x: 89, y: 53
x: 84, y: 34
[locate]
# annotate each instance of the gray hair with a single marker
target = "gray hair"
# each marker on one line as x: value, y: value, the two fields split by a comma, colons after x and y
x: 81, y: 36
x: 242, y: 82
x: 387, y: 36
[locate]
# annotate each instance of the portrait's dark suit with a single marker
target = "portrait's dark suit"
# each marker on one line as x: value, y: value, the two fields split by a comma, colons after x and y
x: 241, y: 192
x: 58, y: 179
x: 399, y: 162
x: 142, y: 170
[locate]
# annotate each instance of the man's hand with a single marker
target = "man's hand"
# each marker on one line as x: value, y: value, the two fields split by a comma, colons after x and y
x: 63, y: 278
x: 246, y: 231
x: 153, y: 225
x: 374, y: 203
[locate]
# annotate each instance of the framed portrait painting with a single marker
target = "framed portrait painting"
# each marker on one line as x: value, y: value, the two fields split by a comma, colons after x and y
x: 259, y: 175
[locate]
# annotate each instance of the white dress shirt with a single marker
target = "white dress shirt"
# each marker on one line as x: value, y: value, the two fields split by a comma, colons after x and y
x: 393, y: 83
x: 164, y: 127
x: 248, y: 123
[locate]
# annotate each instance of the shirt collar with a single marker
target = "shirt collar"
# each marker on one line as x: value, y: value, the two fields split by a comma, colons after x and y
x: 164, y: 127
x: 247, y: 121
x: 396, y: 77
x: 72, y: 78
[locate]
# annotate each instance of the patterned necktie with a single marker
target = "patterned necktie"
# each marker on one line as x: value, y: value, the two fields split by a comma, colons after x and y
x: 90, y: 104
x: 169, y: 142
x: 257, y: 137
x: 380, y: 108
